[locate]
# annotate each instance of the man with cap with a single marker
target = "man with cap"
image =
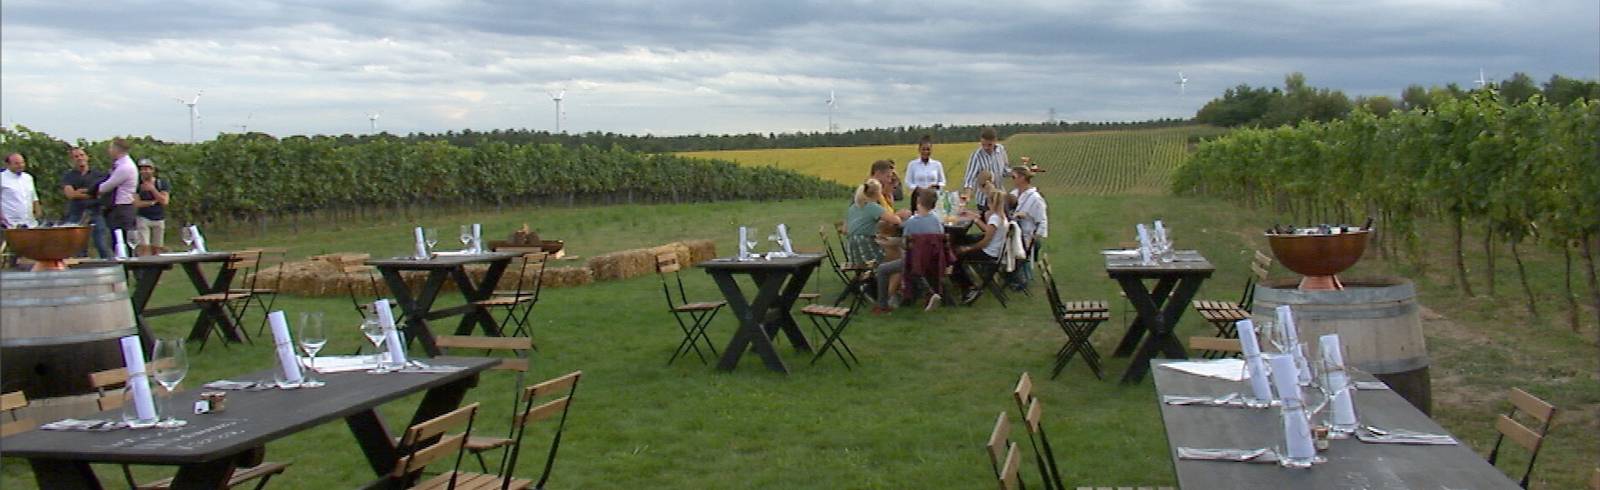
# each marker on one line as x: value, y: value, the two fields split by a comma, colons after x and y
x: 154, y: 194
x: 78, y: 185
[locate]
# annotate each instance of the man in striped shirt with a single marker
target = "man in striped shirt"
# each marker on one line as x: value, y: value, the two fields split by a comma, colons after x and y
x: 990, y: 156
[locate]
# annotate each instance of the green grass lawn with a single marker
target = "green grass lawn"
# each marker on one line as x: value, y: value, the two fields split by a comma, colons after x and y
x: 917, y: 411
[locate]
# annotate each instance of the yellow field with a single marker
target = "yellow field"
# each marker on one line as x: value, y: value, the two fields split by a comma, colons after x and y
x: 1127, y: 162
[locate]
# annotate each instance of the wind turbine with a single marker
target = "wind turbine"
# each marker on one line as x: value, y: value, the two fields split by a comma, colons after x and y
x: 194, y: 111
x: 1183, y: 84
x: 557, y: 97
x: 244, y: 128
x: 1482, y: 81
x: 832, y: 104
x: 372, y: 118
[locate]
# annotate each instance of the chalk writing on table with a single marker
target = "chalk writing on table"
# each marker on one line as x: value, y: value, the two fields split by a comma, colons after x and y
x: 185, y: 438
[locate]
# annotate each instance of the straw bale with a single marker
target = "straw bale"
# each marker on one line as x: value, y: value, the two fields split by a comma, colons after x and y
x: 677, y: 249
x: 623, y: 264
x: 562, y: 277
x: 700, y: 250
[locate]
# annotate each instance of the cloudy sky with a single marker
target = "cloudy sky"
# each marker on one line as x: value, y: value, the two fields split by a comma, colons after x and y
x: 96, y: 69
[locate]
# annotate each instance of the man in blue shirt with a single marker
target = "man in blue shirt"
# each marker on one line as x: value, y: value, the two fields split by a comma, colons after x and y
x: 78, y: 184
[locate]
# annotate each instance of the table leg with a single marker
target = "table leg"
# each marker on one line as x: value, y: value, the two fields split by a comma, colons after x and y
x: 1161, y: 325
x: 55, y: 473
x: 416, y: 307
x: 204, y: 476
x: 374, y: 437
x: 1137, y: 329
x: 751, y: 333
x: 791, y: 293
x: 145, y: 281
x: 478, y: 292
x: 197, y: 276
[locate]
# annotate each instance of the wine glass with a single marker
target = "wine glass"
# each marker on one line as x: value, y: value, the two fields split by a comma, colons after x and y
x: 430, y: 237
x: 466, y: 235
x: 132, y: 238
x: 371, y: 328
x: 312, y: 337
x: 170, y: 364
x: 750, y: 239
x: 187, y: 234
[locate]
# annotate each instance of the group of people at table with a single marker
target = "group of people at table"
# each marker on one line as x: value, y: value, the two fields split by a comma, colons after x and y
x: 1010, y: 213
x: 126, y: 197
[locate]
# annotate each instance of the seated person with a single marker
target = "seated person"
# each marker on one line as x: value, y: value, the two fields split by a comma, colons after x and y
x: 861, y: 224
x: 921, y: 223
x: 986, y: 249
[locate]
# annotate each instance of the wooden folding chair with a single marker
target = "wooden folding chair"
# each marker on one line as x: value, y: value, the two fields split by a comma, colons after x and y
x: 106, y: 384
x: 11, y: 403
x: 1224, y: 315
x: 566, y: 385
x: 1531, y: 440
x: 1078, y: 320
x: 830, y: 322
x: 1033, y: 421
x: 988, y: 272
x: 1003, y: 454
x: 518, y: 303
x: 1008, y: 476
x: 699, y: 314
x: 517, y: 348
x: 263, y: 289
x: 425, y: 443
x: 858, y: 270
x: 231, y: 302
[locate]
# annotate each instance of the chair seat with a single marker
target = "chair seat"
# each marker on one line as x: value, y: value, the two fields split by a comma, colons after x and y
x: 219, y: 297
x: 1086, y: 306
x: 253, y: 291
x: 1223, y: 315
x: 809, y: 296
x: 1211, y: 304
x: 1087, y: 316
x: 470, y: 481
x: 701, y: 306
x: 824, y: 310
x: 511, y: 292
x: 239, y: 477
x: 483, y: 443
x: 504, y: 301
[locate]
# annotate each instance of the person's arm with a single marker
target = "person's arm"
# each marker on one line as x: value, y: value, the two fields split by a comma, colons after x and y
x: 118, y: 176
x: 889, y: 217
x: 938, y: 171
x: 971, y: 180
x: 73, y: 194
x: 988, y: 234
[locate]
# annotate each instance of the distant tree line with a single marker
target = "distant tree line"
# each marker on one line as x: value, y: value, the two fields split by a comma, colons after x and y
x: 1296, y: 101
x: 900, y: 135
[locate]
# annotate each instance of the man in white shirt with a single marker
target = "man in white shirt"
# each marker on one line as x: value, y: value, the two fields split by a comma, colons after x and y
x: 924, y: 172
x: 19, y: 200
x: 990, y: 156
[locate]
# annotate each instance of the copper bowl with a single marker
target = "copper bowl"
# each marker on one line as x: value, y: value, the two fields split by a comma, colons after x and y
x: 48, y: 246
x: 552, y: 246
x: 1319, y: 257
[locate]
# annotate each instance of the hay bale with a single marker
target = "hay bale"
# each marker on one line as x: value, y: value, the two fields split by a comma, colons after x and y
x: 563, y: 277
x: 677, y: 249
x: 700, y: 250
x: 623, y: 264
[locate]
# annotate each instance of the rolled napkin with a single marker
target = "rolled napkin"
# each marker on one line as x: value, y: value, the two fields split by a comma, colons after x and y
x: 284, y: 344
x: 1296, y: 430
x: 1344, y: 412
x: 783, y: 239
x: 1145, y: 247
x: 1286, y: 321
x: 1228, y: 400
x: 1262, y: 455
x: 138, y: 380
x: 121, y: 243
x: 744, y: 239
x: 422, y: 244
x: 1259, y: 387
x: 340, y: 364
x: 1228, y: 369
x: 1374, y: 435
x: 391, y: 335
x: 1161, y: 234
x: 199, y: 241
x: 477, y: 238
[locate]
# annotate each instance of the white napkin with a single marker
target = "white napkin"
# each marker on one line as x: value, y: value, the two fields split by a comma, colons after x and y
x: 1296, y: 430
x: 138, y: 380
x: 783, y: 239
x: 1286, y: 320
x: 284, y: 344
x: 391, y: 336
x: 340, y: 364
x: 199, y: 241
x: 1161, y: 234
x: 1228, y: 369
x: 477, y: 238
x: 1344, y: 412
x: 744, y: 235
x: 121, y: 243
x: 422, y: 245
x: 1145, y: 249
x: 1252, y: 357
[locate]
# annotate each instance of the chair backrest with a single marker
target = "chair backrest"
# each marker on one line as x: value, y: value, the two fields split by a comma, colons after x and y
x: 10, y: 403
x: 1215, y: 344
x: 527, y: 258
x: 834, y: 260
x: 271, y: 257
x: 417, y: 453
x: 516, y: 346
x: 667, y: 263
x: 1259, y: 264
x: 1509, y: 428
x: 1009, y: 470
x: 999, y: 441
x: 104, y: 381
x: 1032, y: 420
x: 354, y: 272
x: 565, y: 385
x: 1058, y: 309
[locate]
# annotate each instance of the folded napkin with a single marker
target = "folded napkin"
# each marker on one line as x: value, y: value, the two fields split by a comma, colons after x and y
x: 1228, y: 369
x: 1374, y: 435
x: 340, y: 364
x: 237, y: 385
x: 1228, y: 400
x: 91, y: 425
x: 1262, y: 455
x: 1120, y: 253
x: 425, y: 369
x: 1370, y: 385
x: 456, y: 253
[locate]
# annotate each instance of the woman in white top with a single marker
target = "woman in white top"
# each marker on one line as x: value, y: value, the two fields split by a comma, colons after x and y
x: 1032, y: 218
x: 924, y: 172
x: 986, y: 249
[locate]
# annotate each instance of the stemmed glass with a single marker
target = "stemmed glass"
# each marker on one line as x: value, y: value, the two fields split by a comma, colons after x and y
x: 132, y: 237
x: 188, y: 238
x: 170, y: 364
x: 430, y: 237
x: 371, y: 328
x: 750, y: 240
x: 466, y: 235
x: 312, y: 337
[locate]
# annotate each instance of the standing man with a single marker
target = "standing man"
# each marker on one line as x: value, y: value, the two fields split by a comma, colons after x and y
x: 19, y: 200
x: 121, y: 188
x: 990, y: 156
x: 78, y: 184
x: 924, y: 172
x: 152, y: 209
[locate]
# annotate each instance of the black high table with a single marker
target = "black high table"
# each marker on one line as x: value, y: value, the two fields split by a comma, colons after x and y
x: 419, y: 306
x: 1158, y: 310
x: 211, y: 447
x: 146, y: 272
x: 1350, y: 462
x: 779, y: 283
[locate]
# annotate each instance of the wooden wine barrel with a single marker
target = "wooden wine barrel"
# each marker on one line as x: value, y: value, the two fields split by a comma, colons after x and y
x: 58, y: 326
x: 1378, y: 321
